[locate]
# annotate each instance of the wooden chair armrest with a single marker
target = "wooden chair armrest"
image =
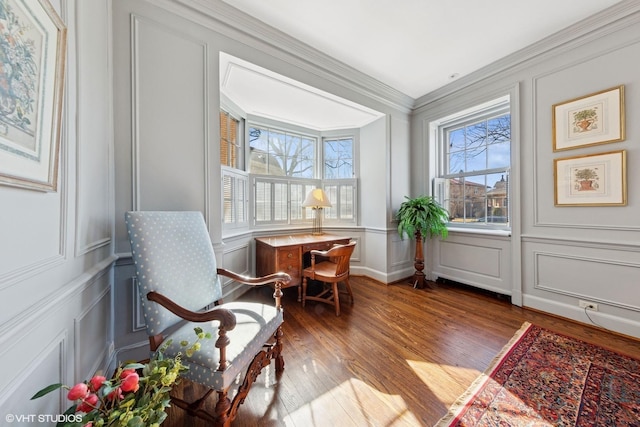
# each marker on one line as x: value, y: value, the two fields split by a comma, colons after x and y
x: 319, y: 252
x: 226, y: 317
x: 278, y: 278
x: 316, y: 252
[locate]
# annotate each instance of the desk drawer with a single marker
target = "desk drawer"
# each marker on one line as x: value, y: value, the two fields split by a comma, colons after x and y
x: 289, y: 261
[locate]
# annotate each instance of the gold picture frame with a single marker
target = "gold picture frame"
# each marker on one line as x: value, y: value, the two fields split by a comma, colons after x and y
x: 594, y: 119
x: 591, y: 180
x: 34, y: 40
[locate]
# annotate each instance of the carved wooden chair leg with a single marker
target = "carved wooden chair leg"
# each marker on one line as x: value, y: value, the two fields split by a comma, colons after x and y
x: 336, y: 298
x: 348, y: 286
x: 223, y: 406
x: 278, y: 352
x: 304, y: 291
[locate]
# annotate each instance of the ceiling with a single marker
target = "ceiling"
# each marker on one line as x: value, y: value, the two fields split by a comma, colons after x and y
x: 413, y: 46
x: 261, y: 92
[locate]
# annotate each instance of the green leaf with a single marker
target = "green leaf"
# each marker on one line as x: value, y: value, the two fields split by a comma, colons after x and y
x: 135, y: 422
x: 47, y: 390
x: 422, y: 214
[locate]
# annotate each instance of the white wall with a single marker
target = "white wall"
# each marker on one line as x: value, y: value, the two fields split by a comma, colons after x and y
x: 560, y: 255
x: 55, y: 248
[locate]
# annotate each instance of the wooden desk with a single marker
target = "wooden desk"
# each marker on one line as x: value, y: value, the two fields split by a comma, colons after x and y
x: 286, y: 253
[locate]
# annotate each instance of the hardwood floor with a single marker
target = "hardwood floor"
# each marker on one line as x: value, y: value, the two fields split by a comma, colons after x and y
x: 398, y: 357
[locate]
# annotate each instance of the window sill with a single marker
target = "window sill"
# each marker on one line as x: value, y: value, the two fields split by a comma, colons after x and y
x: 486, y: 232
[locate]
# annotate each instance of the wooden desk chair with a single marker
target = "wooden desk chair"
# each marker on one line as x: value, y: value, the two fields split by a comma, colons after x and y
x: 176, y: 269
x: 333, y: 270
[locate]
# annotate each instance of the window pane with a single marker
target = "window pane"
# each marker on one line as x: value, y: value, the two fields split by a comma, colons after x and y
x: 332, y: 194
x: 338, y: 158
x: 456, y: 139
x: 346, y: 202
x: 298, y: 193
x: 476, y: 158
x: 499, y: 153
x: 263, y: 201
x: 280, y: 153
x: 227, y: 196
x: 228, y: 140
x: 456, y: 162
x: 498, y: 198
x: 475, y: 196
x: 234, y: 198
x: 480, y: 145
x: 297, y: 197
x: 478, y: 199
x: 241, y: 200
x: 280, y: 201
x: 465, y: 198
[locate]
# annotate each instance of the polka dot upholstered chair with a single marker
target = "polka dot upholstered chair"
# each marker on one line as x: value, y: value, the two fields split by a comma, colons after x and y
x: 178, y: 278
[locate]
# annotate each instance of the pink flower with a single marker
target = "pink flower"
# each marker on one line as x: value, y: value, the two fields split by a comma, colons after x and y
x: 115, y: 394
x: 126, y: 372
x: 89, y: 424
x: 130, y: 383
x: 78, y: 391
x: 96, y: 382
x: 88, y: 403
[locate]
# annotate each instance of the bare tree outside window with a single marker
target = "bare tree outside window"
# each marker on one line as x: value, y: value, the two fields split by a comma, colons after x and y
x: 477, y: 159
x: 338, y: 158
x: 284, y: 169
x: 280, y: 153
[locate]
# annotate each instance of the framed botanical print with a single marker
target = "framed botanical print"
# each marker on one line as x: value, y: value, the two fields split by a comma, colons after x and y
x: 591, y: 180
x: 594, y: 119
x: 32, y: 62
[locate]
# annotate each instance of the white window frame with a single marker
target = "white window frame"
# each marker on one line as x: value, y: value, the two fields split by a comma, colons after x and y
x: 239, y: 138
x: 335, y: 214
x: 322, y: 159
x: 272, y: 181
x: 332, y: 216
x: 238, y: 199
x: 437, y: 131
x: 287, y: 131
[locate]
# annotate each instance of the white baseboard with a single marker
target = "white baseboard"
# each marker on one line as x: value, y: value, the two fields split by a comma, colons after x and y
x: 598, y: 318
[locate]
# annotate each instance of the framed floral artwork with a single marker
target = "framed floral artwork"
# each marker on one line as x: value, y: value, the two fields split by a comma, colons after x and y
x: 594, y: 119
x: 591, y: 180
x: 32, y: 62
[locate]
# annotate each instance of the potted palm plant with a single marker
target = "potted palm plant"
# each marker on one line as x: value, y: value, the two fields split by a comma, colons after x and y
x: 421, y: 217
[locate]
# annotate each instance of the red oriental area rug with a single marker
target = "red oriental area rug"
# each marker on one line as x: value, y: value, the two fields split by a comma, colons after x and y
x: 545, y: 379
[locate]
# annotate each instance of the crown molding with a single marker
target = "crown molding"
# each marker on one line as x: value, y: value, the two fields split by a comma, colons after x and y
x: 232, y: 22
x: 608, y: 21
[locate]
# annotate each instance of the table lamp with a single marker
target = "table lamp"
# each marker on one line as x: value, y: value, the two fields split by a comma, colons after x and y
x: 316, y: 200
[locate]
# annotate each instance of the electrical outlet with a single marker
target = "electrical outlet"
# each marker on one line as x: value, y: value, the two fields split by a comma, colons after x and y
x: 588, y: 305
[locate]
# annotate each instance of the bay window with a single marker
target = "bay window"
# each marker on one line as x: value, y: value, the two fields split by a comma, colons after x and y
x: 283, y: 167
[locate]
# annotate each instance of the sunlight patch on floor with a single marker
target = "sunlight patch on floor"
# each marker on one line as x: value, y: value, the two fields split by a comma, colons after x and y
x: 435, y: 373
x: 357, y: 401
